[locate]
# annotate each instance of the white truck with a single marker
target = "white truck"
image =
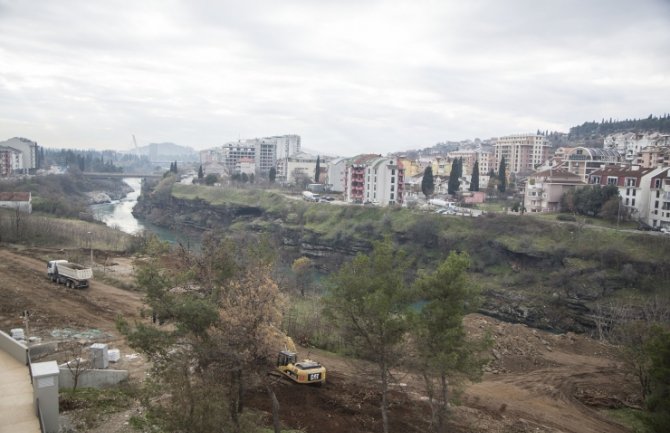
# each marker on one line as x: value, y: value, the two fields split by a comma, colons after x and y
x: 310, y: 196
x: 70, y: 274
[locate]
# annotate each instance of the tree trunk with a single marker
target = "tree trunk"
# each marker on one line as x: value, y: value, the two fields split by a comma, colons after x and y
x: 434, y: 406
x: 444, y: 404
x: 234, y: 401
x: 384, y: 405
x: 275, y: 411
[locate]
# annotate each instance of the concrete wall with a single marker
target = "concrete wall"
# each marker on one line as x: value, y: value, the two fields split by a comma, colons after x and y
x: 14, y: 348
x: 92, y: 378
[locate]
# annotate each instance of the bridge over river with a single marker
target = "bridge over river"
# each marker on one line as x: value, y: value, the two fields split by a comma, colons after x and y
x: 121, y: 175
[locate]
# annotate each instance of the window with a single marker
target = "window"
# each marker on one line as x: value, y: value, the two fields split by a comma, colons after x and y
x: 656, y: 205
x: 392, y: 171
x: 612, y: 180
x: 392, y: 187
x: 391, y: 196
x: 626, y: 201
x: 393, y: 180
x: 657, y: 183
x: 632, y: 202
x: 634, y: 191
x: 627, y: 191
x: 630, y: 181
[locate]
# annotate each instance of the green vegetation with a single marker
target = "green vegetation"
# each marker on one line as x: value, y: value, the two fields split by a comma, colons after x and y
x: 46, y: 231
x: 91, y: 405
x: 427, y: 182
x: 605, y: 127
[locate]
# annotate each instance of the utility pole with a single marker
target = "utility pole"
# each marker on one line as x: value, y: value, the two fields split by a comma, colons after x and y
x: 90, y: 245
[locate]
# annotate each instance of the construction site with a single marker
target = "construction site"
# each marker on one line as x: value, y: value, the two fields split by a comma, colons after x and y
x: 535, y: 381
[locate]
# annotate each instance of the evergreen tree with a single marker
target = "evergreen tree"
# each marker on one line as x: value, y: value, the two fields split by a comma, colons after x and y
x: 452, y: 186
x: 428, y: 183
x: 317, y: 172
x: 272, y: 175
x: 502, y: 176
x: 369, y: 302
x: 474, y: 180
x: 447, y: 358
x: 201, y: 173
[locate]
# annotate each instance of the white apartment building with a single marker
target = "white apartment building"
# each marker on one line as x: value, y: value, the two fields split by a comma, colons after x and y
x: 336, y: 174
x: 11, y: 161
x: 522, y: 152
x: 659, y: 202
x: 263, y: 151
x: 634, y: 184
x: 382, y: 180
x: 27, y: 148
x: 300, y: 166
x: 287, y: 145
x: 630, y: 144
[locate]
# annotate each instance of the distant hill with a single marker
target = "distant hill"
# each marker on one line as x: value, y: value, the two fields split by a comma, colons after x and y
x: 167, y: 152
x: 591, y: 130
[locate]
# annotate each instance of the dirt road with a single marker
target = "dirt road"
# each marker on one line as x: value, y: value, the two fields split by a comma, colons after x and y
x: 24, y: 286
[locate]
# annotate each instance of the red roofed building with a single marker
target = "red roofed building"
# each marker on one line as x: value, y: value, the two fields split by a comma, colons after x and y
x: 545, y: 188
x: 634, y: 184
x: 17, y: 200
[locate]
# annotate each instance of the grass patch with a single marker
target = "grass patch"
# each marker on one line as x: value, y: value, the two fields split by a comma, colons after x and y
x: 90, y: 406
x: 631, y: 418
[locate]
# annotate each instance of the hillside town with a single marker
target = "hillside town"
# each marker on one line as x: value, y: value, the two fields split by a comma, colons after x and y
x: 638, y: 164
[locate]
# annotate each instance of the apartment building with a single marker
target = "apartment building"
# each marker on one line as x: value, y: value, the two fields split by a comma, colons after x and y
x: 630, y: 144
x: 654, y: 156
x: 28, y: 149
x: 11, y: 161
x: 634, y: 184
x: 375, y: 179
x: 301, y: 166
x: 522, y: 152
x: 659, y: 202
x: 336, y: 174
x: 544, y: 189
x: 583, y: 161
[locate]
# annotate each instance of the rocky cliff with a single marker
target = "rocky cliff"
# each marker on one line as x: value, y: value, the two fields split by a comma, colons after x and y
x: 534, y: 273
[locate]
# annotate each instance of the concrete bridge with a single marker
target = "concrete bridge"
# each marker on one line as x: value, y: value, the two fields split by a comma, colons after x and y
x: 121, y: 175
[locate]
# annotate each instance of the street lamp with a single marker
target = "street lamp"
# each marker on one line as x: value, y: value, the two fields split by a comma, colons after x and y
x: 90, y: 245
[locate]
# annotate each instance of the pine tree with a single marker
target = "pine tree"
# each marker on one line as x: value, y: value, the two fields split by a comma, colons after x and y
x: 452, y: 186
x: 474, y: 180
x: 428, y: 183
x: 318, y: 169
x: 201, y: 173
x: 502, y: 176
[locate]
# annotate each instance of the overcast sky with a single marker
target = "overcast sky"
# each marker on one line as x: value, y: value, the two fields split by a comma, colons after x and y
x: 349, y: 76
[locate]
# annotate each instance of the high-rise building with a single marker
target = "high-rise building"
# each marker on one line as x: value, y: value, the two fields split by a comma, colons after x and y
x: 522, y: 152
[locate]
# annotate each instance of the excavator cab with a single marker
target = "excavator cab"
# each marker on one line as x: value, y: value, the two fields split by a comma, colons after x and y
x: 285, y: 358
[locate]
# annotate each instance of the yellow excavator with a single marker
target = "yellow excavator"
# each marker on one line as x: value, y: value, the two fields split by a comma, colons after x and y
x: 305, y: 371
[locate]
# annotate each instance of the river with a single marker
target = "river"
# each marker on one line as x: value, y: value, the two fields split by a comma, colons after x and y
x: 118, y: 214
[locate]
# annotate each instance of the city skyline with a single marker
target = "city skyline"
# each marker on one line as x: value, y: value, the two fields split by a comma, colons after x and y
x: 348, y: 77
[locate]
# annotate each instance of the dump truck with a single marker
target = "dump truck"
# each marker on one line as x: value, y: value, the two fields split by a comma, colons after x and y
x: 70, y: 274
x: 306, y: 371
